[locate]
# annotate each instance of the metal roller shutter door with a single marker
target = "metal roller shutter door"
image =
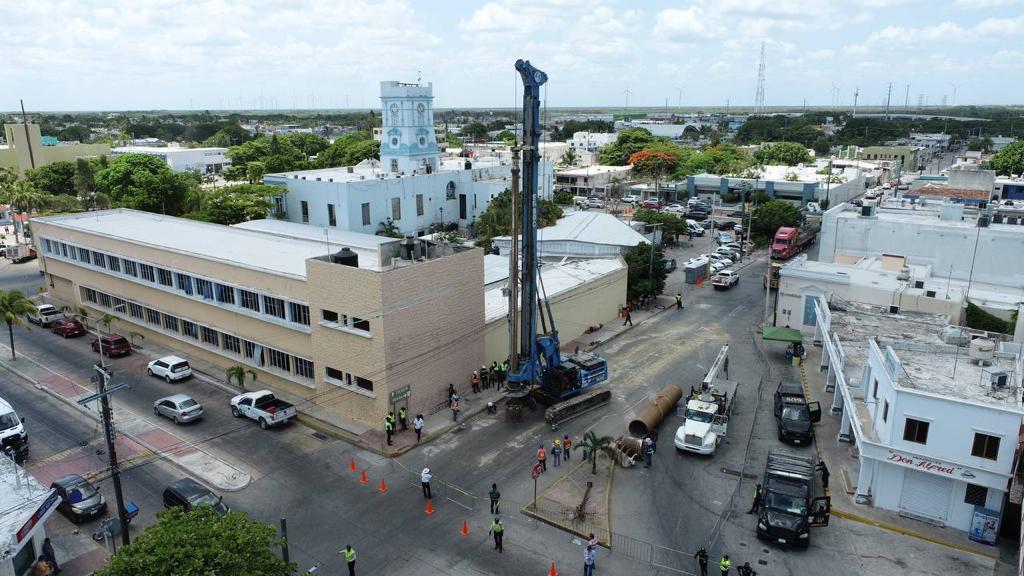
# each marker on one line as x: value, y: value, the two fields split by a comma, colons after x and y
x: 926, y: 494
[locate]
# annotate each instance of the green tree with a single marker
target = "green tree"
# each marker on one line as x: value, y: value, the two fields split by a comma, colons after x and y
x: 723, y: 159
x: 254, y: 172
x: 980, y: 319
x: 642, y: 279
x: 144, y: 182
x: 13, y: 308
x: 349, y: 150
x: 7, y: 177
x: 475, y: 131
x: 24, y: 198
x: 235, y: 204
x: 75, y: 133
x: 237, y: 373
x: 453, y: 140
x: 230, y: 135
x: 53, y: 179
x: 783, y: 153
x: 199, y: 542
x: 389, y: 229
x: 1009, y: 160
x: 768, y: 217
x: 497, y: 219
x: 84, y: 181
x: 671, y: 225
x: 627, y: 142
x: 308, y: 144
x: 507, y: 137
x: 106, y: 319
x: 592, y: 444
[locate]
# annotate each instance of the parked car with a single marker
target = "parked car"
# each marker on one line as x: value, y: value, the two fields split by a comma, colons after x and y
x: 170, y: 368
x: 675, y: 209
x: 631, y: 198
x: 719, y: 258
x: 794, y: 414
x: 697, y: 215
x: 263, y: 407
x: 188, y: 493
x: 717, y: 266
x: 651, y: 204
x: 694, y: 228
x: 178, y: 407
x: 725, y: 238
x: 44, y: 315
x: 724, y: 224
x: 670, y: 265
x: 727, y: 252
x: 113, y: 345
x: 737, y: 214
x: 734, y: 246
x: 79, y: 500
x: 68, y: 328
x: 595, y: 203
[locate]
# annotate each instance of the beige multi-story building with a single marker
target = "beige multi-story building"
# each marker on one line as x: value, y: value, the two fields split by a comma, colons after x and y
x: 345, y: 321
x: 25, y: 149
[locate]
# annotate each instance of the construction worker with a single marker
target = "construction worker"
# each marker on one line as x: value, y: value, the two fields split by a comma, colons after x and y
x: 425, y: 477
x: 403, y: 418
x: 648, y: 451
x: 542, y: 458
x: 350, y: 558
x: 702, y: 561
x: 485, y: 377
x: 556, y: 451
x: 495, y: 499
x: 758, y: 500
x: 504, y: 373
x: 474, y: 380
x: 566, y: 447
x: 497, y: 529
x: 725, y: 564
x: 389, y: 426
x: 679, y: 301
x: 589, y: 558
x: 746, y: 570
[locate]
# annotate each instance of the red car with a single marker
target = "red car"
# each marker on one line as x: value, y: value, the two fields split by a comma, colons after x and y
x: 651, y: 204
x: 68, y: 328
x: 113, y: 345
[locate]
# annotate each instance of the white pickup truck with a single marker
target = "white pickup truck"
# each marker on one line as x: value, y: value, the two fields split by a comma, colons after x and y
x: 724, y: 280
x: 706, y: 420
x: 262, y: 407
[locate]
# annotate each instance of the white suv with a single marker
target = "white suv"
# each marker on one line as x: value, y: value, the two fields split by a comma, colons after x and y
x: 170, y: 368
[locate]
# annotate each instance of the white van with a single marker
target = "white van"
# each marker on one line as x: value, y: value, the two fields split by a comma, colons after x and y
x: 580, y: 201
x: 694, y: 228
x: 13, y: 437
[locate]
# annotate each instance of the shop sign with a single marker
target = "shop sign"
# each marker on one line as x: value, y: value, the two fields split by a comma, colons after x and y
x: 933, y: 466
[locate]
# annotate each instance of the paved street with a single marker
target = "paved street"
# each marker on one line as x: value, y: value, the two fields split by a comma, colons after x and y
x: 674, y: 507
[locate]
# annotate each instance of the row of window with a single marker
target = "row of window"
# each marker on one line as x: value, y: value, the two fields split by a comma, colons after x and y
x: 227, y: 344
x: 332, y: 220
x: 191, y: 286
x: 332, y: 319
x: 985, y: 445
x: 335, y: 376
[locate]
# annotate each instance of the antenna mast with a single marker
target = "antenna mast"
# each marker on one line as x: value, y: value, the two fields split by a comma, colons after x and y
x: 759, y: 97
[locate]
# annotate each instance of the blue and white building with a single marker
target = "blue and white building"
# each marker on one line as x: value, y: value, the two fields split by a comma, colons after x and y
x: 411, y: 184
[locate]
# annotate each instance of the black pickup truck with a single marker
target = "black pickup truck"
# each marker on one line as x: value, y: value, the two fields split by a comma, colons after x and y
x: 791, y: 507
x: 795, y: 416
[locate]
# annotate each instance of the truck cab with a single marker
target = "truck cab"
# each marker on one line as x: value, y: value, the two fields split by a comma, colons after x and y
x: 706, y: 420
x: 794, y: 415
x: 13, y: 436
x: 791, y: 505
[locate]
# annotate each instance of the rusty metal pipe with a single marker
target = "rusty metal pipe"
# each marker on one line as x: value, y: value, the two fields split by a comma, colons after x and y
x: 655, y: 412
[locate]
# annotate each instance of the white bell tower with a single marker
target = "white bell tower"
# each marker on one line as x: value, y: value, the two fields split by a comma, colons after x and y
x: 408, y: 144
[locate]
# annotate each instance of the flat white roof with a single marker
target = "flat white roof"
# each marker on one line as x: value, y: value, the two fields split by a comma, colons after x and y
x: 928, y: 216
x: 255, y: 249
x: 869, y: 271
x: 591, y: 228
x: 163, y: 149
x: 556, y: 278
x: 371, y: 171
x: 593, y: 170
x: 321, y: 234
x: 20, y: 495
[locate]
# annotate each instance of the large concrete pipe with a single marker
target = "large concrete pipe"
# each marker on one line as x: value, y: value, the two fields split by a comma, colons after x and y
x: 653, y: 414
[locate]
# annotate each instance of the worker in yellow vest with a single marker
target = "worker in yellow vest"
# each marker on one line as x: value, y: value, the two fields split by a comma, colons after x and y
x: 350, y: 558
x: 725, y: 564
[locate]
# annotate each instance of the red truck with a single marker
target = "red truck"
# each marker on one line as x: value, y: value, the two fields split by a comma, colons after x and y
x: 790, y: 240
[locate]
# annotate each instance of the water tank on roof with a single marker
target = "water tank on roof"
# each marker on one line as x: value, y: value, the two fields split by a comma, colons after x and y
x: 982, y: 351
x: 346, y: 257
x: 955, y: 335
x: 468, y: 165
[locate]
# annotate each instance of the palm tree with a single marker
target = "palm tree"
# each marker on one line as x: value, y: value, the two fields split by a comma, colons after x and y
x: 13, y: 307
x: 83, y: 313
x: 106, y: 320
x: 23, y: 196
x: 239, y: 372
x: 569, y: 158
x: 592, y: 444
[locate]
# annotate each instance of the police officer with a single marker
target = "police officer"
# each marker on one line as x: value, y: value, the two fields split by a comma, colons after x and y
x: 389, y: 425
x: 497, y: 529
x: 702, y: 560
x: 755, y: 506
x: 350, y: 558
x: 403, y: 418
x: 725, y: 564
x: 746, y: 570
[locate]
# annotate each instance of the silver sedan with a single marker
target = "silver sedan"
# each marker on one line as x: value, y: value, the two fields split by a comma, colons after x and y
x: 178, y: 407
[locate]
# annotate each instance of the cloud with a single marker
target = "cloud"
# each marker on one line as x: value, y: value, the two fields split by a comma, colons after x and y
x: 682, y: 26
x: 983, y: 4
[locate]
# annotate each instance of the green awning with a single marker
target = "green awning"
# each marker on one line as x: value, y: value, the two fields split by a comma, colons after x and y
x: 782, y: 334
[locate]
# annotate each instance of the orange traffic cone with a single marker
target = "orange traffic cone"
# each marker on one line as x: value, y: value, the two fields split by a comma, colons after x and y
x: 552, y: 572
x: 430, y: 508
x: 465, y: 528
x: 352, y: 464
x: 364, y: 479
x: 383, y: 487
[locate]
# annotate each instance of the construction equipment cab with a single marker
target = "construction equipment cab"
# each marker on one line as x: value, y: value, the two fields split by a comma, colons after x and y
x: 791, y: 504
x: 794, y: 415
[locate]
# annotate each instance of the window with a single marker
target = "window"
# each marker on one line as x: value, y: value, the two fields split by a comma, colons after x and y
x: 190, y: 329
x: 231, y: 343
x: 419, y: 204
x: 335, y: 375
x: 329, y: 316
x: 885, y: 411
x: 976, y: 495
x: 104, y: 300
x: 225, y: 294
x: 366, y: 213
x: 147, y: 272
x: 396, y: 208
x: 90, y: 295
x: 130, y: 268
x: 279, y: 359
x: 99, y: 260
x: 303, y: 368
x: 119, y: 305
x: 273, y: 306
x: 114, y: 263
x: 299, y: 312
x: 184, y: 283
x: 985, y: 446
x: 364, y: 384
x: 394, y: 162
x: 305, y: 212
x: 64, y: 249
x: 83, y: 255
x: 874, y: 388
x: 331, y: 218
x: 253, y: 351
x: 165, y: 277
x: 204, y: 288
x: 135, y: 310
x: 210, y: 336
x: 171, y: 323
x: 250, y: 300
x: 915, y: 431
x: 360, y: 324
x: 152, y: 316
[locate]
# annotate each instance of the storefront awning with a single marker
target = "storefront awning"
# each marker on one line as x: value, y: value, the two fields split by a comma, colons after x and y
x: 782, y: 334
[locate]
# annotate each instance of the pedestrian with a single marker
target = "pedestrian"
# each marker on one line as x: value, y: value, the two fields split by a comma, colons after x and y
x: 566, y: 446
x: 403, y: 418
x: 758, y: 500
x: 455, y: 408
x: 556, y: 451
x: 350, y: 559
x: 495, y: 373
x: 425, y: 477
x: 485, y: 378
x: 41, y: 567
x: 542, y: 458
x: 417, y: 425
x: 497, y: 529
x: 589, y: 557
x: 504, y: 374
x: 592, y: 542
x: 648, y: 451
x: 577, y: 349
x: 495, y: 499
x: 474, y: 381
x: 654, y: 440
x: 451, y: 391
x: 824, y: 473
x: 389, y: 428
x: 50, y: 555
x: 629, y: 318
x: 702, y: 561
x: 679, y: 301
x: 746, y: 570
x: 725, y: 564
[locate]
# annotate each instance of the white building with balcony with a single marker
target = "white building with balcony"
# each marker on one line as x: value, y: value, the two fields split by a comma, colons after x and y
x: 935, y: 420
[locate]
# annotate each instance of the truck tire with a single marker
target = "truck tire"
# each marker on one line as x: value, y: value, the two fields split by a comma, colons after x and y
x: 235, y: 412
x: 263, y: 424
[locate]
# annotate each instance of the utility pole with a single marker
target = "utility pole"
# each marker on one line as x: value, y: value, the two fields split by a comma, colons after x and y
x: 888, y: 98
x: 856, y: 94
x: 759, y: 96
x: 103, y: 375
x: 650, y: 264
x: 28, y: 139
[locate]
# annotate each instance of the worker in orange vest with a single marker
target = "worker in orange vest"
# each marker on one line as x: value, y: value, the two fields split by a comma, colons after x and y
x: 542, y: 458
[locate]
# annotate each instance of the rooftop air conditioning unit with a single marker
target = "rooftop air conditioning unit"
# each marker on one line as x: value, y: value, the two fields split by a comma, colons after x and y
x: 930, y: 293
x: 955, y: 336
x: 867, y: 211
x: 350, y: 169
x: 982, y: 351
x: 894, y: 309
x: 983, y: 221
x: 997, y: 219
x: 904, y: 274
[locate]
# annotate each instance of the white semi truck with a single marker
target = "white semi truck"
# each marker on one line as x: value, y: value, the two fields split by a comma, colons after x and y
x: 706, y: 418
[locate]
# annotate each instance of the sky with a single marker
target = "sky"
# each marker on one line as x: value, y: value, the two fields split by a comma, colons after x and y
x: 220, y: 54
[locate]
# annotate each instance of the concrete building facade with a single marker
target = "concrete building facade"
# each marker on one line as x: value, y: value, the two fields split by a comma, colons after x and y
x: 202, y: 160
x: 797, y: 184
x: 591, y: 180
x: 25, y: 149
x: 339, y: 338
